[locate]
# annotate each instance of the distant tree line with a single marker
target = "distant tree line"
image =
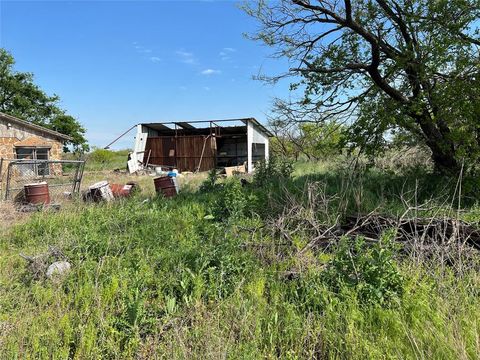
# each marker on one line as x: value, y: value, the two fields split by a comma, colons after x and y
x: 312, y: 141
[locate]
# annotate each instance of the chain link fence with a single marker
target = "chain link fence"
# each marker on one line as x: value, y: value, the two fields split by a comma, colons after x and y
x: 62, y: 176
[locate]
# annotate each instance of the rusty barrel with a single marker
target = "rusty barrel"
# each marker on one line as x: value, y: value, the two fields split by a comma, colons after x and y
x: 37, y: 193
x: 122, y: 190
x: 164, y: 185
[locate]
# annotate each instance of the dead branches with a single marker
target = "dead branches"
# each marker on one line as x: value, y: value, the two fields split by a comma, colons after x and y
x: 39, y: 264
x: 312, y: 217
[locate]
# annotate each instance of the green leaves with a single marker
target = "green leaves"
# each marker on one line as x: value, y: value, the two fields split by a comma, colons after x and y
x: 370, y: 270
x: 275, y: 169
x: 20, y: 97
x: 380, y: 66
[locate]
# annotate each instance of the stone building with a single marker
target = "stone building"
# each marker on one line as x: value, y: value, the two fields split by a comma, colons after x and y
x: 20, y: 139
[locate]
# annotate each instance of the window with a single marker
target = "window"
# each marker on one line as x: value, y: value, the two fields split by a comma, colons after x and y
x: 27, y: 153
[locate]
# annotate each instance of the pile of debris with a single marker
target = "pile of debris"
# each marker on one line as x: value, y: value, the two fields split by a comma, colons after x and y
x: 426, y: 235
x: 446, y: 239
x: 104, y: 191
x: 52, y: 264
x: 166, y: 186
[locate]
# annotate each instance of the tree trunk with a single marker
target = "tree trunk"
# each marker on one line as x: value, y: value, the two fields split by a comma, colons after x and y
x: 445, y: 162
x: 442, y: 147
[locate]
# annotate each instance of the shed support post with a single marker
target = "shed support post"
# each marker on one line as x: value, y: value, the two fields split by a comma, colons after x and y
x: 249, y: 146
x: 267, y: 150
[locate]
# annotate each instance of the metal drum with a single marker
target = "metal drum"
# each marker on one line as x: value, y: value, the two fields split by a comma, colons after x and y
x: 122, y: 190
x: 37, y: 193
x: 165, y: 185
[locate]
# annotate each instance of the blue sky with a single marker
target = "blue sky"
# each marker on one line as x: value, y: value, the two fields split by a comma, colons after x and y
x: 117, y: 63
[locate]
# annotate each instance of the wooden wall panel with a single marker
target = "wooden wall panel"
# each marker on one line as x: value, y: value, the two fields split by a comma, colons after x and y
x: 184, y: 152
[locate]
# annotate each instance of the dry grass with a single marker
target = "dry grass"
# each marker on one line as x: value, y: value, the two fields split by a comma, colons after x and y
x: 9, y: 214
x: 404, y: 159
x: 189, y: 181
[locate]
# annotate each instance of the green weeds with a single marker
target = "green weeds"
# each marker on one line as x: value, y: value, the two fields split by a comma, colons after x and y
x: 203, y: 275
x: 370, y: 272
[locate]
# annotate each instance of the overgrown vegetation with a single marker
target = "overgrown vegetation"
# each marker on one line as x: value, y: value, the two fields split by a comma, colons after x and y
x: 233, y: 271
x: 370, y: 256
x: 102, y: 159
x: 277, y: 169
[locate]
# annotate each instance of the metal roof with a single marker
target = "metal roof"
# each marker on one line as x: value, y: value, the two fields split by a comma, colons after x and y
x: 255, y: 121
x: 16, y: 120
x: 187, y: 124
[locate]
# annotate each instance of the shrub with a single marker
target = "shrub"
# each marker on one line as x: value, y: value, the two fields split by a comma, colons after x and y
x: 370, y: 271
x: 274, y: 169
x: 231, y: 202
x: 101, y: 155
x: 210, y: 181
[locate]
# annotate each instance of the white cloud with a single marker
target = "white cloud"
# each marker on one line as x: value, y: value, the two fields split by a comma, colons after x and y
x: 141, y: 49
x: 224, y: 56
x: 155, y: 59
x: 226, y: 52
x: 206, y: 88
x: 210, y: 72
x: 186, y: 57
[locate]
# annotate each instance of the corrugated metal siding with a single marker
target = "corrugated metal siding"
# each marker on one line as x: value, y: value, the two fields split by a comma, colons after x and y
x: 182, y: 152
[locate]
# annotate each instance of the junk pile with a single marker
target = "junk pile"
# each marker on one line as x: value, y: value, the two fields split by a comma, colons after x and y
x: 104, y: 191
x: 166, y: 186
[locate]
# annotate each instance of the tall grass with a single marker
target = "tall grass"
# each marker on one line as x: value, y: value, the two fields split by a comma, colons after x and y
x: 205, y: 275
x: 101, y: 159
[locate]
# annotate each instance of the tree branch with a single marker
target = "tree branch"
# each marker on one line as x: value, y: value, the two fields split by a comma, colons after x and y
x: 313, y: 69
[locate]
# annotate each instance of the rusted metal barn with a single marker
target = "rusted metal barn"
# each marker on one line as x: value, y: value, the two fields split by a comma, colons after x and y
x: 200, y: 145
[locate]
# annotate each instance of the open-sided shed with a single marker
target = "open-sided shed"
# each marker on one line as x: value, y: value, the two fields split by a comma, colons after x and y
x: 201, y: 145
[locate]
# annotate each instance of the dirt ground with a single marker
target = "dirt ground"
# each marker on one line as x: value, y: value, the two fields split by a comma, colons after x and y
x: 9, y: 215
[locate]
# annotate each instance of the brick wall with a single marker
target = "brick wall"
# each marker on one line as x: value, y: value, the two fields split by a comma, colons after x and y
x: 7, y: 147
x: 12, y: 134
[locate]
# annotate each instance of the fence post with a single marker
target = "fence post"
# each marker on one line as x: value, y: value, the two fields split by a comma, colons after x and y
x: 1, y: 176
x: 7, y: 185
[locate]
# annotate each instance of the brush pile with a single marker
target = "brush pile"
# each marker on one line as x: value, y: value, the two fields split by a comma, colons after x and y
x: 313, y: 218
